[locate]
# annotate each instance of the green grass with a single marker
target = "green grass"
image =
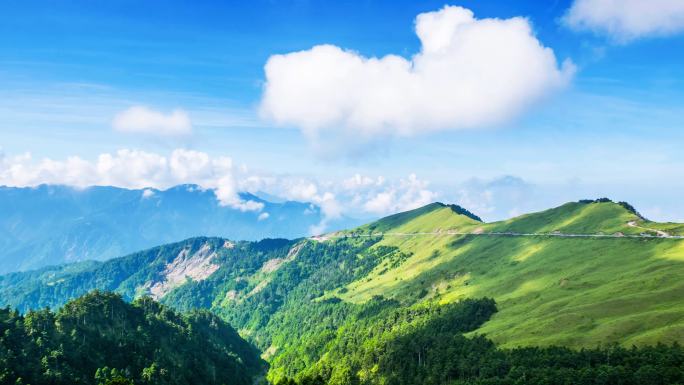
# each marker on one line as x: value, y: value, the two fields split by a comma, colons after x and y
x: 434, y: 216
x: 669, y: 227
x: 578, y: 218
x: 550, y: 290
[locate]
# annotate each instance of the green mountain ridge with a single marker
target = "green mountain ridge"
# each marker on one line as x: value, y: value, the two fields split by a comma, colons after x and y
x: 550, y: 290
x: 393, y: 222
x: 580, y: 275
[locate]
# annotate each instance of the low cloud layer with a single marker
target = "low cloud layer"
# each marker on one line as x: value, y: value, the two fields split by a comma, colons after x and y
x: 627, y: 20
x: 469, y: 73
x: 143, y: 120
x: 357, y: 196
x: 130, y: 169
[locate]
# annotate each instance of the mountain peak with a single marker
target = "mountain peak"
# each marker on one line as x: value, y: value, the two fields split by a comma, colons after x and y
x: 624, y: 205
x: 430, y: 217
x: 462, y: 211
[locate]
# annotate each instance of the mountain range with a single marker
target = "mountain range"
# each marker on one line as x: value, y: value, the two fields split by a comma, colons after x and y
x: 53, y: 224
x: 371, y: 304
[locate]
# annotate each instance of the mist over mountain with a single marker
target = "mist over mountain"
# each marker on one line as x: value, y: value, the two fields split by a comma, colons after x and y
x: 54, y: 224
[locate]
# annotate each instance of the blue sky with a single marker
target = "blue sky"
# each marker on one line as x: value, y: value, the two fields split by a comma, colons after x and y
x: 68, y: 69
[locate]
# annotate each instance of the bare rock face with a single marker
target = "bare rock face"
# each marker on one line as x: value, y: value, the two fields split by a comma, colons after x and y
x: 274, y: 264
x: 197, y: 267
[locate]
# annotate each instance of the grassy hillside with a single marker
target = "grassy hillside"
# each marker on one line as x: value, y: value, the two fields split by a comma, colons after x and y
x: 549, y: 290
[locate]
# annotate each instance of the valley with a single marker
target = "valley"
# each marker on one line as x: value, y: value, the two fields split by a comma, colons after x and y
x: 54, y: 224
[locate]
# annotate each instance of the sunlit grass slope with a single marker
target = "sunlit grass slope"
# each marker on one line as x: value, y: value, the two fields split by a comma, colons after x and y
x: 574, y: 218
x: 549, y: 290
x: 430, y: 218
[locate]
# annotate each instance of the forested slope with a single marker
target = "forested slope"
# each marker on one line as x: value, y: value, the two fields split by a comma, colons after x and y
x: 100, y: 339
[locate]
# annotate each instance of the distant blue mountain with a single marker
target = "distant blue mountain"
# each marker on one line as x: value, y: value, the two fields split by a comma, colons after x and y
x: 50, y: 224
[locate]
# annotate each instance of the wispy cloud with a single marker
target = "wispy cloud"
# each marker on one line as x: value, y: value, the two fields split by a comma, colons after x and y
x: 88, y: 107
x: 626, y: 20
x: 144, y: 120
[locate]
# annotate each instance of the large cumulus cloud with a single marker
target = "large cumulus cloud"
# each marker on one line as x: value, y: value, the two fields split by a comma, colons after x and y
x: 469, y: 73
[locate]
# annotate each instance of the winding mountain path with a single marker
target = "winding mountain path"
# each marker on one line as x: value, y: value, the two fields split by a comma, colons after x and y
x: 660, y: 234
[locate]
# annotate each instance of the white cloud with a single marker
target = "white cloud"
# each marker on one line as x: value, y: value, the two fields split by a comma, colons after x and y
x: 498, y: 198
x: 626, y: 20
x: 131, y: 169
x: 469, y: 73
x: 299, y: 189
x: 143, y: 120
x: 358, y: 181
x: 147, y: 193
x: 407, y: 194
x: 358, y: 196
x: 381, y: 202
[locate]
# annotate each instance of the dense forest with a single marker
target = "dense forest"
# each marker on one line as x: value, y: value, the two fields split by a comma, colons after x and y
x: 425, y: 344
x: 100, y: 339
x: 476, y: 361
